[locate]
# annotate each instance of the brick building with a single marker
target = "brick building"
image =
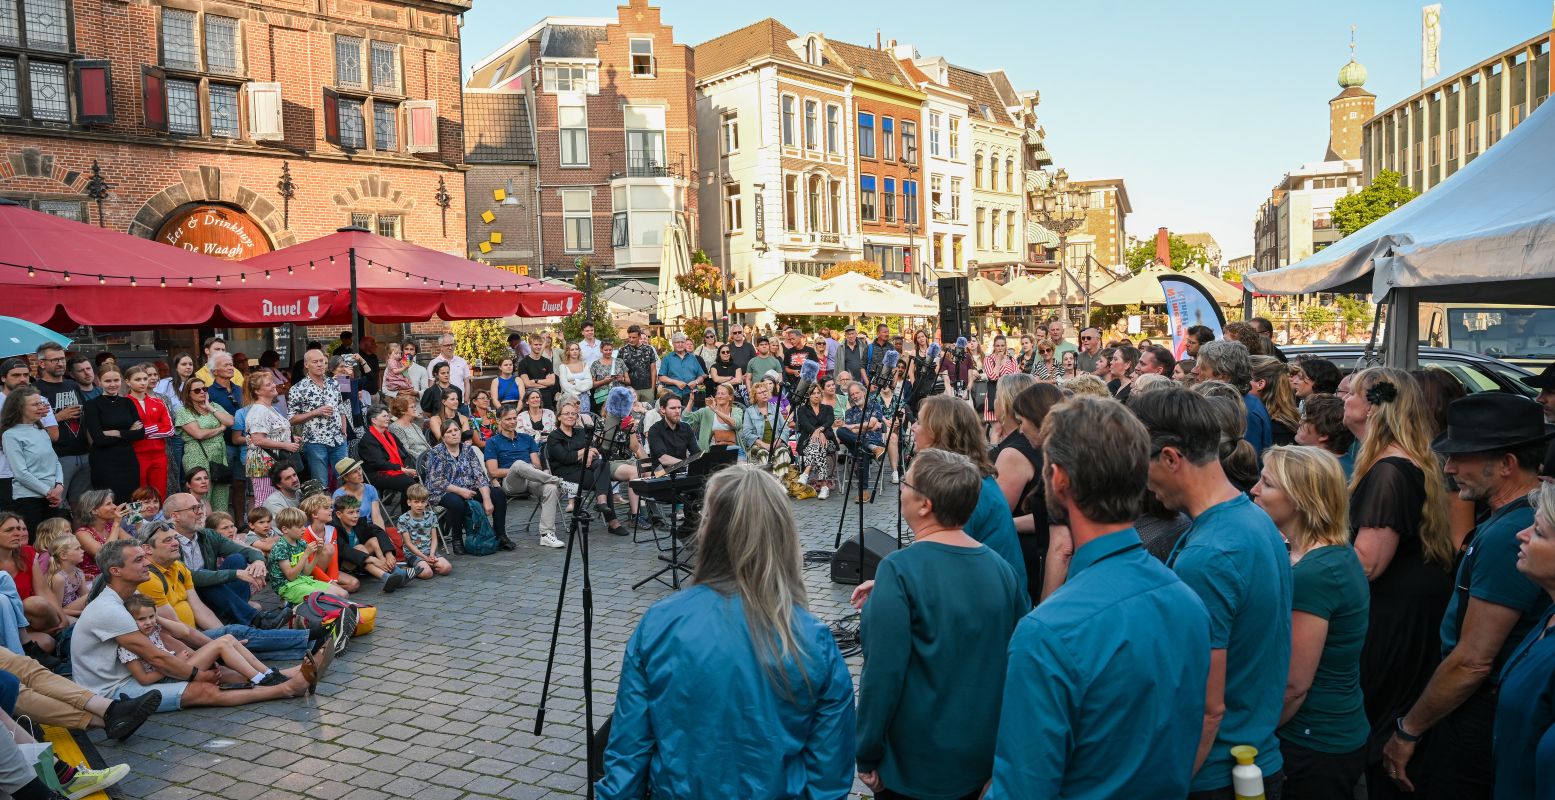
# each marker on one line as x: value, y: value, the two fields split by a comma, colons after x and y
x: 195, y: 110
x: 609, y: 114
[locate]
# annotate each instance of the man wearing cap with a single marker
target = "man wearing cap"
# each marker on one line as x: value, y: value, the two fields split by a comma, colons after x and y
x: 1493, y: 445
x: 851, y: 351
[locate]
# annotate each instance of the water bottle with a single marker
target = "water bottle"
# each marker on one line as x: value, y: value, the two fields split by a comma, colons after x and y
x: 1246, y: 777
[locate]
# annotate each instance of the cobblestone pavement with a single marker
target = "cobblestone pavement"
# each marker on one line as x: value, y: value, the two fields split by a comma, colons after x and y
x: 439, y: 702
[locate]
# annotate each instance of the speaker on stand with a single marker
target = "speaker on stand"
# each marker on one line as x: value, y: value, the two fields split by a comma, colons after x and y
x: 955, y: 314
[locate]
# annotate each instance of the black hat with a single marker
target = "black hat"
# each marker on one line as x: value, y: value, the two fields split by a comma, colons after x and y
x: 1492, y: 421
x: 1544, y: 380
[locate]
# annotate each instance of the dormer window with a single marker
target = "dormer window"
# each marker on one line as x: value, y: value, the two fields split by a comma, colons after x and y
x: 812, y: 51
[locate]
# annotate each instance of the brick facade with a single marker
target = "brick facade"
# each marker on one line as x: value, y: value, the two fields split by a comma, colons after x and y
x: 152, y: 174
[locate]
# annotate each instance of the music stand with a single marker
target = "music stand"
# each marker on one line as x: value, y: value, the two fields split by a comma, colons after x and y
x: 674, y: 489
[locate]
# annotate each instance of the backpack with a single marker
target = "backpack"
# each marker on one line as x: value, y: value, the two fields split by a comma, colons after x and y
x: 479, y: 538
x: 320, y: 608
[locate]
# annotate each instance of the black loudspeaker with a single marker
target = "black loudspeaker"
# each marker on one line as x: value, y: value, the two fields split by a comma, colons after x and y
x: 845, y: 562
x: 955, y: 314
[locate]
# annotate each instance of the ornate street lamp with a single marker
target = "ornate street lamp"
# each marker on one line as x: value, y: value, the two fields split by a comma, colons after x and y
x: 1062, y: 209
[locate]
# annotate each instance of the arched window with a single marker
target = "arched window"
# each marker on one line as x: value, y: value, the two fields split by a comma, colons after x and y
x: 977, y: 171
x: 815, y: 187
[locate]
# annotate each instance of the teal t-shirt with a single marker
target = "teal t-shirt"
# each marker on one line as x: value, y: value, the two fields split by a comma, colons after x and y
x: 1489, y: 571
x: 1330, y: 583
x: 934, y: 665
x: 1235, y: 559
x: 993, y: 525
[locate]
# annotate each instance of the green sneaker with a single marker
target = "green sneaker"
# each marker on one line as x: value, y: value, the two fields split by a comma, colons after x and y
x: 91, y: 781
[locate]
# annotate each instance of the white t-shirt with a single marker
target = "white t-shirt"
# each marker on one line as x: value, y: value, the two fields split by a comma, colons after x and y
x: 94, y: 651
x: 590, y: 351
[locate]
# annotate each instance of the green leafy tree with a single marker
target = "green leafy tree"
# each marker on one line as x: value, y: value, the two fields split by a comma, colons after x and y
x: 1141, y: 253
x: 1353, y: 310
x: 1385, y: 193
x: 868, y: 269
x: 598, y: 311
x: 483, y: 340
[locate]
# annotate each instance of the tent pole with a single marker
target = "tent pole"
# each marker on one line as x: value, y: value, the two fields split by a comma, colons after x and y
x: 1402, y: 337
x: 356, y: 314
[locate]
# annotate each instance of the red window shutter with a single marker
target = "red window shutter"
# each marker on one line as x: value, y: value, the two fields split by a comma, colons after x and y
x: 420, y: 126
x: 153, y: 97
x: 94, y: 92
x: 331, y: 116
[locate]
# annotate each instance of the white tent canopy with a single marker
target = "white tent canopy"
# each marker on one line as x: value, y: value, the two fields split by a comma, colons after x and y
x: 853, y: 293
x: 1486, y: 234
x: 756, y: 298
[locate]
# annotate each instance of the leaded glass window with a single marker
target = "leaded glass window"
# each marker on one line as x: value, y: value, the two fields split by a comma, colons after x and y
x: 10, y: 97
x: 221, y: 45
x: 386, y: 68
x: 386, y: 126
x: 224, y: 110
x: 180, y: 48
x: 353, y: 132
x: 348, y: 61
x: 50, y: 100
x: 183, y: 107
x: 48, y: 25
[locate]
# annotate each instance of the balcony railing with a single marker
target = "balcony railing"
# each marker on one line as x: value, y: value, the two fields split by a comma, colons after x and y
x: 646, y: 164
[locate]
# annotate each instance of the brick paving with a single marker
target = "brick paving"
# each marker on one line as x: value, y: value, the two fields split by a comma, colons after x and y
x: 438, y: 703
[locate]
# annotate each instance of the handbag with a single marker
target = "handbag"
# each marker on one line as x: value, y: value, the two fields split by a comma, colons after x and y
x: 723, y: 437
x: 220, y: 472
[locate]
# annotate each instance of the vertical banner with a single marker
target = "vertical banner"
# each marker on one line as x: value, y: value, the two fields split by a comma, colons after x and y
x: 1430, y: 42
x: 1187, y: 305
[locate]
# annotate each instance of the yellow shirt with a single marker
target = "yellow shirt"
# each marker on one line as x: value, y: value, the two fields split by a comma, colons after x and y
x: 204, y: 374
x: 172, y: 588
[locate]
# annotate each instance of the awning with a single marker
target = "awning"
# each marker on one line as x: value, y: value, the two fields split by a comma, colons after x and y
x: 62, y: 274
x: 398, y: 281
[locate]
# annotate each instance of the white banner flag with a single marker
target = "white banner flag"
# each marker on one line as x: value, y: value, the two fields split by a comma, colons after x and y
x: 1430, y: 42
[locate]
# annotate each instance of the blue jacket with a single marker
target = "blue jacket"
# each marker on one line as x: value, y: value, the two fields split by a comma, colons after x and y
x: 696, y: 715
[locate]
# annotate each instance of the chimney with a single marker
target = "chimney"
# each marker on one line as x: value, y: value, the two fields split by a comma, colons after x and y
x: 1163, y: 248
x: 877, y: 38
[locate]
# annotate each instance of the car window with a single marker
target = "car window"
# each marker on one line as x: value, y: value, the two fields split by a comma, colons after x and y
x: 1470, y: 375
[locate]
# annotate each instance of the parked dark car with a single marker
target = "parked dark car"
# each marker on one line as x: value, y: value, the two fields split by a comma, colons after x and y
x: 1477, y: 373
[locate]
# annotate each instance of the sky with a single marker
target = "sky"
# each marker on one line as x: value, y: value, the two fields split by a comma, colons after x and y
x: 1199, y: 106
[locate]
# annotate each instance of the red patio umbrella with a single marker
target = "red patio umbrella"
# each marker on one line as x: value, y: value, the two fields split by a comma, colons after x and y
x: 61, y: 273
x: 397, y: 281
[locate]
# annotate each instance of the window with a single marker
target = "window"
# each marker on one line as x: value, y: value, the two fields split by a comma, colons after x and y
x: 180, y: 45
x: 221, y: 46
x: 1010, y: 242
x: 978, y: 230
x: 866, y: 135
x: 936, y: 197
x: 620, y: 230
x: 888, y: 138
x: 909, y: 142
x: 573, y: 122
x: 977, y: 170
x: 578, y: 220
x: 993, y: 230
x: 644, y: 140
x: 866, y: 198
x: 1471, y: 137
x: 183, y: 107
x: 791, y: 202
x: 50, y: 98
x: 833, y: 130
x: 389, y: 225
x: 955, y: 138
x: 224, y: 110
x: 733, y: 218
x: 47, y: 25
x: 788, y: 121
x: 570, y: 78
x: 731, y: 133
x: 834, y: 209
x: 386, y: 67
x: 812, y: 122
x: 934, y: 125
x: 993, y: 173
x: 10, y: 98
x: 69, y: 209
x: 1009, y: 175
x: 386, y: 127
x: 643, y: 65
x: 348, y: 62
x: 815, y: 187
x: 353, y: 131
x: 910, y: 200
x: 888, y: 196
x: 1436, y: 149
x: 955, y: 199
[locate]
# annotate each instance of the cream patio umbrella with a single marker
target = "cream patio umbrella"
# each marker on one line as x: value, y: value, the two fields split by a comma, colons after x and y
x: 853, y: 294
x: 1020, y: 292
x: 982, y: 292
x: 1143, y: 289
x: 1224, y: 293
x: 757, y: 298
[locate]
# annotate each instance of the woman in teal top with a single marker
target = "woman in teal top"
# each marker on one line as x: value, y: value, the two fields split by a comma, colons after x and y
x: 946, y: 423
x: 936, y: 624
x: 731, y: 688
x: 504, y: 387
x: 719, y: 420
x: 1323, y: 727
x: 1525, y: 702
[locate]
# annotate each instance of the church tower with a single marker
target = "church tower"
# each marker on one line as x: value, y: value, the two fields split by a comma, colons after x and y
x: 1349, y: 110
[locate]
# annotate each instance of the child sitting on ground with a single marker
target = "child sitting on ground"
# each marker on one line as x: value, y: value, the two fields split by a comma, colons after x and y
x: 291, y: 560
x: 222, y: 523
x: 261, y: 529
x: 326, y: 563
x: 65, y: 584
x: 372, y: 551
x: 418, y: 530
x: 224, y: 651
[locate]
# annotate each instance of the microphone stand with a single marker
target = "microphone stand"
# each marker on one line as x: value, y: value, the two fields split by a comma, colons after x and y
x: 578, y: 532
x: 877, y: 382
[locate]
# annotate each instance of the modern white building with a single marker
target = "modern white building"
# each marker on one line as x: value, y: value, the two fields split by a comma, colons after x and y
x: 947, y: 161
x: 1296, y: 221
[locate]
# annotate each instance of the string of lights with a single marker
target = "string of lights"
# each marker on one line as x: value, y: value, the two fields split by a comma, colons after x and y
x: 134, y: 281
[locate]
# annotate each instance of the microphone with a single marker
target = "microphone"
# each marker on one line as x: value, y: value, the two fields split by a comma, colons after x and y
x: 960, y: 347
x: 808, y: 372
x: 934, y: 352
x: 618, y: 405
x: 887, y: 366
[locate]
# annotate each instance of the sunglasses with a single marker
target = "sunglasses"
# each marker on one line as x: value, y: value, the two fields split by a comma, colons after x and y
x: 198, y: 390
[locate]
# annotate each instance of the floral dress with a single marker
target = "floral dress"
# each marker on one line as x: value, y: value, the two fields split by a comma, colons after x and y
x: 204, y: 452
x: 443, y: 470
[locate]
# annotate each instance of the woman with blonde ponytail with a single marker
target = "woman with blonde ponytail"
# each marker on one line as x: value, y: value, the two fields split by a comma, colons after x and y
x: 1399, y: 526
x: 732, y: 688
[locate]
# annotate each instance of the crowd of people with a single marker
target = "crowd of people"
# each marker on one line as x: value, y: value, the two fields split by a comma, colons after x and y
x: 1126, y: 588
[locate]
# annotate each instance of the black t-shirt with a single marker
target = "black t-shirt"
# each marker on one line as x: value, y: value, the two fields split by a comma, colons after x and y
x: 536, y: 369
x: 679, y: 442
x: 60, y: 396
x: 741, y: 354
x: 794, y: 358
x: 852, y: 358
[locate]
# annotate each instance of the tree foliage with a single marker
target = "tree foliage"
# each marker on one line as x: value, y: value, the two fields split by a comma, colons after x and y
x: 598, y: 311
x: 1372, y: 203
x: 483, y: 340
x: 1353, y: 310
x: 1142, y: 253
x: 868, y: 269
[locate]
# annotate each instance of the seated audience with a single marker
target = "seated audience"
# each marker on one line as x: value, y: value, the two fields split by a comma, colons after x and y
x: 422, y: 540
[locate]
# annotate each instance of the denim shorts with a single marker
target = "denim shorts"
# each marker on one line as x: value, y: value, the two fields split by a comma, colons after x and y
x: 172, y: 693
